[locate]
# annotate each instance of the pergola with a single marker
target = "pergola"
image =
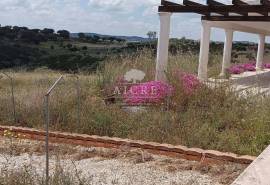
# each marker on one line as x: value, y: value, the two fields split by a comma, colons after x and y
x: 244, y: 16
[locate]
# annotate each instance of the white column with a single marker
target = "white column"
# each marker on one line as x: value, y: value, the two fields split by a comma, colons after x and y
x: 260, y: 54
x: 204, y: 51
x: 227, y: 54
x: 163, y: 46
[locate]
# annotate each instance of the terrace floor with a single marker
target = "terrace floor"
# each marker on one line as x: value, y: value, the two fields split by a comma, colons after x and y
x: 248, y: 82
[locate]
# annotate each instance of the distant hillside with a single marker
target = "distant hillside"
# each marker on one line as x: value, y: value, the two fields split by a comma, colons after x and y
x: 127, y: 38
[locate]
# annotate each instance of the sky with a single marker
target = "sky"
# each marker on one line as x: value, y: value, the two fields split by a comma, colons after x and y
x: 114, y: 17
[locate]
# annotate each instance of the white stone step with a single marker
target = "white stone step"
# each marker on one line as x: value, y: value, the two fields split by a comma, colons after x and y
x: 258, y: 173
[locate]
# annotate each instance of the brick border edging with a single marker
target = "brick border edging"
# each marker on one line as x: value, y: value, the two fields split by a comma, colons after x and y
x: 196, y: 154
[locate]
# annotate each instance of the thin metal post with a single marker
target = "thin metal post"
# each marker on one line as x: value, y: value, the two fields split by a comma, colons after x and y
x: 13, y: 100
x: 12, y: 96
x: 47, y: 122
x: 47, y: 118
x: 78, y: 101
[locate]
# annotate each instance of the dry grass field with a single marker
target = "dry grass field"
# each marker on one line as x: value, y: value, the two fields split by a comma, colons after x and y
x: 215, y: 118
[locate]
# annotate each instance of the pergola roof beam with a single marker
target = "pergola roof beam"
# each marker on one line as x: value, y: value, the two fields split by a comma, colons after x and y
x: 168, y: 3
x: 265, y: 2
x: 221, y: 8
x: 192, y: 3
x: 239, y: 3
x: 184, y: 9
x: 247, y: 12
x: 211, y: 3
x: 237, y: 18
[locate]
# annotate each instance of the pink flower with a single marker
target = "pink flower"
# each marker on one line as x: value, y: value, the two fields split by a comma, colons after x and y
x: 267, y: 65
x: 240, y: 68
x: 157, y: 91
x: 148, y: 92
x: 249, y: 67
x: 235, y: 70
x: 190, y: 82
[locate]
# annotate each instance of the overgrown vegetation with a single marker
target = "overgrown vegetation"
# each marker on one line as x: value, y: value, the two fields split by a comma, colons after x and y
x: 210, y: 118
x: 26, y: 48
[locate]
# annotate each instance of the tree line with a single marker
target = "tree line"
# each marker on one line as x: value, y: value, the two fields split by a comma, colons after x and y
x: 99, y: 39
x: 33, y: 36
x: 21, y: 48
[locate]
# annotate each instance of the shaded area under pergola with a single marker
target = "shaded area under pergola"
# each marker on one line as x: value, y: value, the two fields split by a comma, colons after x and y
x: 244, y: 16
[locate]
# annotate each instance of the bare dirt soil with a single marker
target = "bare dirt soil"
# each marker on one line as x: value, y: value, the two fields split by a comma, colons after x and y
x: 114, y: 166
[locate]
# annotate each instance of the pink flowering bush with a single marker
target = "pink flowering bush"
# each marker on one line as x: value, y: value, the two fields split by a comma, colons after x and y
x: 240, y: 68
x: 249, y: 66
x: 187, y: 86
x: 156, y: 91
x: 148, y: 92
x: 236, y: 70
x: 267, y: 65
x: 190, y: 82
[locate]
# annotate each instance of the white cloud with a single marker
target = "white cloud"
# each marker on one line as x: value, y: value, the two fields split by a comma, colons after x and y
x: 118, y: 17
x: 122, y: 5
x: 107, y: 4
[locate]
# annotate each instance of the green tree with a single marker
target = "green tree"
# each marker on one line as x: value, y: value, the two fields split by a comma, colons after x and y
x: 47, y: 31
x: 64, y: 34
x: 35, y: 30
x: 152, y: 35
x: 81, y: 36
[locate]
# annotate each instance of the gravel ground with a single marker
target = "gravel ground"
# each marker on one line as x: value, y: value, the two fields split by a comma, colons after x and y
x: 115, y: 171
x: 111, y: 166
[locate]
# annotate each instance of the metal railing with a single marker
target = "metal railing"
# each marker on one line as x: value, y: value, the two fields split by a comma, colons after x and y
x: 47, y: 109
x: 47, y: 115
x: 47, y: 121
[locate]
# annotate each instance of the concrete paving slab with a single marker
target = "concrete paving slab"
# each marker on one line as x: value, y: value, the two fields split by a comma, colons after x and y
x: 258, y: 173
x: 248, y: 83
